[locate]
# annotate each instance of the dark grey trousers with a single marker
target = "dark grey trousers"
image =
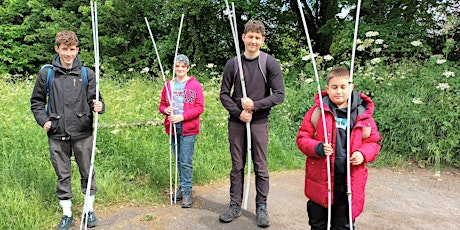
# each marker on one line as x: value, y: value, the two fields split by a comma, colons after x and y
x: 237, y: 137
x: 61, y: 153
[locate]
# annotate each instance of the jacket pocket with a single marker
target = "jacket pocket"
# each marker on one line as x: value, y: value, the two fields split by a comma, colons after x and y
x: 56, y: 123
x: 85, y: 122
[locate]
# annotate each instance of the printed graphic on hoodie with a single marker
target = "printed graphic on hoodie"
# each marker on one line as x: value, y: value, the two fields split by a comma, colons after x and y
x: 341, y: 123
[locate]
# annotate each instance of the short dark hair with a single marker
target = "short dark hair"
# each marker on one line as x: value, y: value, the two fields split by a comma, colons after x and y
x: 66, y: 37
x: 338, y: 72
x: 254, y: 26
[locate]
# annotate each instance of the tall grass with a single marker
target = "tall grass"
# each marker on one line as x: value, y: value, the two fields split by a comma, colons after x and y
x: 418, y: 121
x: 132, y: 162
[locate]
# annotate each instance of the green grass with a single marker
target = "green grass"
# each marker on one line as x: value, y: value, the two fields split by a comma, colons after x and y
x: 132, y: 162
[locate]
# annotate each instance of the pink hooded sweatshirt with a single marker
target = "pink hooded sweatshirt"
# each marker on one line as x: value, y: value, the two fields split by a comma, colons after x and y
x: 193, y: 107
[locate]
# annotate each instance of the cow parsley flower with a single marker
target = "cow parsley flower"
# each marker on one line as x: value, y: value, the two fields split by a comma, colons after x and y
x: 449, y: 74
x: 416, y: 43
x: 417, y: 101
x: 376, y: 50
x: 328, y: 57
x: 379, y: 41
x: 440, y: 61
x: 372, y: 33
x: 375, y: 61
x: 443, y: 86
x: 145, y: 70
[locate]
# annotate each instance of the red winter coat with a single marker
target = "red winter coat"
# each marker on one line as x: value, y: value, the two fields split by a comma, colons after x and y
x: 316, y: 168
x: 193, y: 107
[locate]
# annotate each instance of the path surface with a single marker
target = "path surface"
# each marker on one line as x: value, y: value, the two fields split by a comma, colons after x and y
x: 409, y: 199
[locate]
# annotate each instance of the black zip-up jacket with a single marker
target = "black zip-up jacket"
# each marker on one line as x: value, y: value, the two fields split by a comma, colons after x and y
x: 70, y: 104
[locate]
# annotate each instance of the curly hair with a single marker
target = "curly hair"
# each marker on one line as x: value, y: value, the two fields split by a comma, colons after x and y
x: 66, y: 37
x: 254, y: 26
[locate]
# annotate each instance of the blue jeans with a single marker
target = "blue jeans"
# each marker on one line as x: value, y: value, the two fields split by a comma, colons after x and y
x: 185, y: 149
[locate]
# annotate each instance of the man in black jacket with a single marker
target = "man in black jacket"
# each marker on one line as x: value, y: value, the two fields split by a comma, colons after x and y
x: 67, y: 117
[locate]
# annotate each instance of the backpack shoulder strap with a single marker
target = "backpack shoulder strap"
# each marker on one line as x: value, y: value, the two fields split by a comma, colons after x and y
x: 236, y: 72
x: 84, y: 75
x: 263, y: 64
x: 315, y: 117
x: 49, y: 77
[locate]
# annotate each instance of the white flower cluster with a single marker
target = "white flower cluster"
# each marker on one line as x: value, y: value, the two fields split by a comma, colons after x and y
x: 328, y: 57
x: 145, y: 70
x: 379, y: 41
x: 443, y: 86
x: 372, y: 33
x: 448, y: 74
x: 370, y: 42
x: 441, y: 61
x: 416, y: 43
x: 417, y: 101
x: 375, y: 61
x: 309, y: 80
x: 308, y: 56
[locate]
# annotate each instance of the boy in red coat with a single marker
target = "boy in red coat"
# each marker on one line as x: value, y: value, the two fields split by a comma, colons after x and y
x: 365, y: 143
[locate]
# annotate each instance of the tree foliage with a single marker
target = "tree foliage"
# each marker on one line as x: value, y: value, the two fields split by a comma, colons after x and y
x: 28, y: 28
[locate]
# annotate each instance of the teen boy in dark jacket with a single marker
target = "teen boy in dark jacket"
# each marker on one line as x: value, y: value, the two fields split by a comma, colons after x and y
x: 67, y: 117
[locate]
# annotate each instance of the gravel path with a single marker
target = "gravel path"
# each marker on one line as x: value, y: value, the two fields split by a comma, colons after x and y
x: 408, y: 199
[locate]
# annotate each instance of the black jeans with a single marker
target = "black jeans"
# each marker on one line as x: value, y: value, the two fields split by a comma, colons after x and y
x: 317, y: 214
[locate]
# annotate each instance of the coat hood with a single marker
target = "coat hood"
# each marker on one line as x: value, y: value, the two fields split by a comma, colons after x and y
x: 361, y: 101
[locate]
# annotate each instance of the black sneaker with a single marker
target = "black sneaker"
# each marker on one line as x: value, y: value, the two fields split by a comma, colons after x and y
x: 233, y: 211
x: 186, y: 199
x: 66, y: 223
x: 92, y: 220
x: 178, y: 195
x: 262, y: 216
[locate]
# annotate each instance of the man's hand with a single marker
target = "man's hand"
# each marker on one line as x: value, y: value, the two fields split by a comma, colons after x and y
x: 247, y: 103
x: 246, y: 116
x: 97, y: 106
x: 47, y: 126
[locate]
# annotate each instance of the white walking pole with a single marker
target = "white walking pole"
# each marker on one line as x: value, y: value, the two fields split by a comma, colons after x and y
x: 350, y: 85
x: 173, y: 78
x: 328, y: 161
x: 93, y: 151
x: 169, y: 97
x: 232, y: 20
